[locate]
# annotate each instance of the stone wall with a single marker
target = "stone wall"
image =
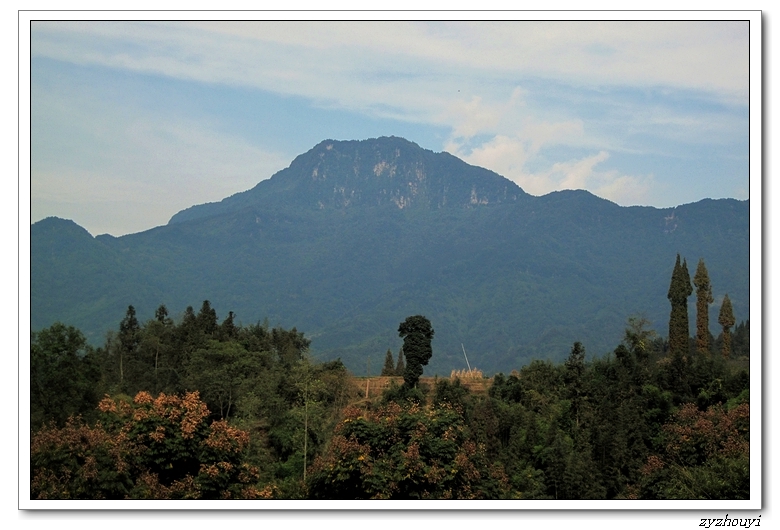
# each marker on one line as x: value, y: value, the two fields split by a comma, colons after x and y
x: 374, y: 386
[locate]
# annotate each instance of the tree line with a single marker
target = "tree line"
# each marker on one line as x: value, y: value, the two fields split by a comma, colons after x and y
x: 198, y: 408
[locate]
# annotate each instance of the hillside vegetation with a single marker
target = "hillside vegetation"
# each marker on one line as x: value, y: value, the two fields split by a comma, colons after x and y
x: 208, y: 409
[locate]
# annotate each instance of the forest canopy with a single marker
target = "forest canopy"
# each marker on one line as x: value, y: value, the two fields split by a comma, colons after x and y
x: 200, y: 408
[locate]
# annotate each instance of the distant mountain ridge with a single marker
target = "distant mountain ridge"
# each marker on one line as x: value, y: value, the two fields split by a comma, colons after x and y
x: 355, y: 236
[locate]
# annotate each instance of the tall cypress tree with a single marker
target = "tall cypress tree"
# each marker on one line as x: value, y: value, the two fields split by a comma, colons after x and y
x: 679, y: 291
x: 703, y: 300
x: 726, y: 319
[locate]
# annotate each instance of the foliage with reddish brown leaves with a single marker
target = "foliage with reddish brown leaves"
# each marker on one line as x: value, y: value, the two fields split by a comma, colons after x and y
x: 150, y: 448
x: 706, y: 456
x: 405, y: 453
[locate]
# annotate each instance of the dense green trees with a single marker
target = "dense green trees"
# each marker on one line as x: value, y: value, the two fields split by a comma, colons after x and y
x: 405, y: 451
x: 257, y: 378
x: 242, y: 411
x: 417, y: 334
x: 222, y: 371
x: 596, y: 429
x: 63, y: 371
x: 706, y: 455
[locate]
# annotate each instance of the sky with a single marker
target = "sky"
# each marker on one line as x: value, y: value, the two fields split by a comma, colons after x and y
x: 132, y: 122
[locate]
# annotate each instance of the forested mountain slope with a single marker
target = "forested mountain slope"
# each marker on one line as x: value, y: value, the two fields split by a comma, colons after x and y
x: 355, y: 236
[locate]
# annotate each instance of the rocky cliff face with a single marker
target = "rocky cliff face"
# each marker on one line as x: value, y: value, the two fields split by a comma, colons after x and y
x: 395, y: 171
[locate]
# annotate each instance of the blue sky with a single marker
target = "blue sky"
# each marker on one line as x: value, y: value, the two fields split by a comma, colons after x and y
x: 134, y: 121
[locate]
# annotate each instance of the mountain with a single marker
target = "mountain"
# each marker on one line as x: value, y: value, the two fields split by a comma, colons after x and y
x: 388, y: 171
x: 355, y: 236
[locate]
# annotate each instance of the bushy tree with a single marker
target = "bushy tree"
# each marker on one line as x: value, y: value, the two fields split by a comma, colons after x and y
x: 289, y: 345
x: 408, y: 452
x: 571, y: 470
x: 705, y: 455
x: 638, y: 338
x: 63, y: 373
x: 158, y: 370
x: 222, y: 371
x: 417, y: 334
x: 147, y: 448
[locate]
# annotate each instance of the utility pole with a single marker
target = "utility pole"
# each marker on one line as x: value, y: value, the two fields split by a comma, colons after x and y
x: 305, y: 419
x: 464, y: 354
x: 305, y: 429
x: 368, y: 374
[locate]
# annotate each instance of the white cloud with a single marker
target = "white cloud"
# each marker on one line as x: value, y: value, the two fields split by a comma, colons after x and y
x: 625, y: 190
x: 340, y: 61
x: 503, y: 154
x: 471, y: 117
x: 454, y: 74
x: 575, y: 175
x: 509, y: 156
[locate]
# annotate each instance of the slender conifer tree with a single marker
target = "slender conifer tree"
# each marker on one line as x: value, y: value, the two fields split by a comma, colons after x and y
x: 726, y: 320
x: 389, y: 367
x: 129, y: 339
x: 400, y: 367
x: 703, y: 300
x: 679, y: 291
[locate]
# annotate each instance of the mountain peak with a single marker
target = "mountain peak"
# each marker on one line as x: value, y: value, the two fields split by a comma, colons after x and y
x: 57, y: 226
x: 338, y: 174
x: 382, y: 141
